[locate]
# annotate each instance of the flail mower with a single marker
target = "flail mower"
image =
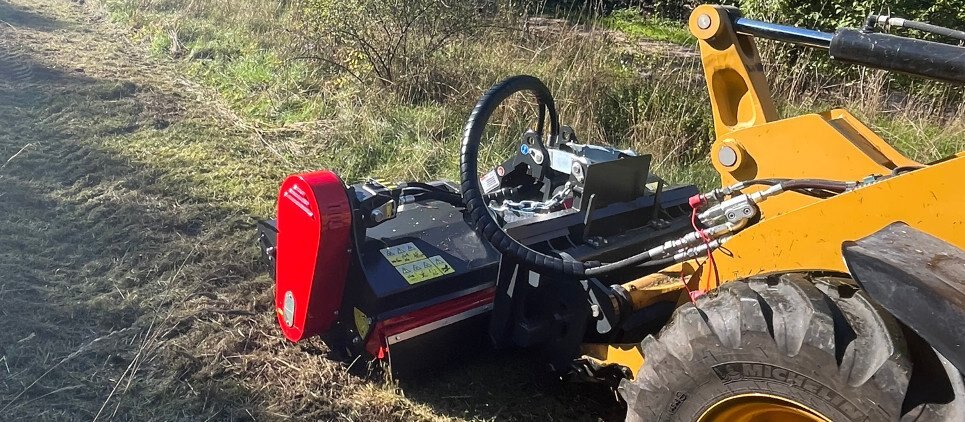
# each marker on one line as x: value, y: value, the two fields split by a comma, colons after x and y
x: 825, y: 279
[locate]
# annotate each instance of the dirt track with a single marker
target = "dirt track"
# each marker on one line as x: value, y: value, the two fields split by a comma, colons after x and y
x: 130, y: 287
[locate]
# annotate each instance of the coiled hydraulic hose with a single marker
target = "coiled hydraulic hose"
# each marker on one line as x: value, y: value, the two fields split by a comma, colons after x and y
x: 484, y: 223
x: 479, y: 215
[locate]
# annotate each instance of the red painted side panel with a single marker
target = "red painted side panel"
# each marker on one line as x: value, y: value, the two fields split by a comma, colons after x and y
x: 377, y: 345
x: 314, y: 237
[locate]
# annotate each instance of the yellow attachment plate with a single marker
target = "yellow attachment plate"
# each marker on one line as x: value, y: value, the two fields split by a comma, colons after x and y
x: 628, y: 355
x: 810, y: 238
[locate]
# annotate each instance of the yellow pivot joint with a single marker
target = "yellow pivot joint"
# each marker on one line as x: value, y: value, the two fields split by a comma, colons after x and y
x: 735, y: 76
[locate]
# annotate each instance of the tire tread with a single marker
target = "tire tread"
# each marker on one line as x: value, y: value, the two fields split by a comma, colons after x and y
x: 793, y: 310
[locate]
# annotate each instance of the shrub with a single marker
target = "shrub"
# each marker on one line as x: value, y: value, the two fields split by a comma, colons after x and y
x: 391, y: 42
x: 832, y: 14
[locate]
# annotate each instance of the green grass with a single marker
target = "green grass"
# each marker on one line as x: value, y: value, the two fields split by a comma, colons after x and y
x: 637, y: 24
x: 369, y: 130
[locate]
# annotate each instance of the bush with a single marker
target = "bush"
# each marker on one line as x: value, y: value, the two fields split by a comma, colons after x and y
x: 391, y: 42
x: 832, y: 14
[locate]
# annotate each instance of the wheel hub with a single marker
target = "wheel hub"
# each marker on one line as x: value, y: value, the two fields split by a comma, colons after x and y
x: 756, y: 407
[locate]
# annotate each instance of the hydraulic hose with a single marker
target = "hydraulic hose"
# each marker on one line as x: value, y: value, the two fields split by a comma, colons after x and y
x: 874, y: 20
x: 934, y: 29
x: 479, y: 216
x: 478, y: 210
x: 828, y: 185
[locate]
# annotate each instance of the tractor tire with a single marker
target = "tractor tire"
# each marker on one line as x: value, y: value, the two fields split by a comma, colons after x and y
x: 817, y: 345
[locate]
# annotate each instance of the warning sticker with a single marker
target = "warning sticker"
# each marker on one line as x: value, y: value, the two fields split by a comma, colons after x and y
x: 425, y: 269
x: 489, y: 182
x: 402, y: 254
x: 413, y: 264
x: 442, y: 265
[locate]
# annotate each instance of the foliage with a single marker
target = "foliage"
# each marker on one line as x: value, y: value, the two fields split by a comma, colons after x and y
x: 833, y: 14
x: 393, y: 42
x: 820, y: 14
x: 637, y: 23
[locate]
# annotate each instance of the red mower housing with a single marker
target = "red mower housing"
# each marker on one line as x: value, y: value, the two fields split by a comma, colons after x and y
x: 371, y: 267
x: 313, y: 252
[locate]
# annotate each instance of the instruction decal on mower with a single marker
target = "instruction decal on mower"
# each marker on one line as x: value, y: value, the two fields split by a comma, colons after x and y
x: 402, y: 254
x: 413, y: 264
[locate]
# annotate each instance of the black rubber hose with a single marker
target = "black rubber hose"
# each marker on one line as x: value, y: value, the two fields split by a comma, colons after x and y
x: 935, y: 29
x: 662, y: 262
x: 905, y: 169
x: 872, y: 21
x: 828, y: 185
x: 641, y: 259
x: 479, y: 216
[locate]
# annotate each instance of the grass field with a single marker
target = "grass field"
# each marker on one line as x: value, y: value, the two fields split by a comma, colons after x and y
x: 135, y: 153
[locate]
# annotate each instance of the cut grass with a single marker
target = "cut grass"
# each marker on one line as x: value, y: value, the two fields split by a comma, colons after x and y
x: 131, y: 288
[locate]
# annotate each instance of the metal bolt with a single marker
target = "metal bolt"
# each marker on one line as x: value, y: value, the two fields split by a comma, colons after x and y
x: 537, y: 156
x: 577, y: 171
x: 703, y: 21
x: 595, y: 311
x: 727, y: 156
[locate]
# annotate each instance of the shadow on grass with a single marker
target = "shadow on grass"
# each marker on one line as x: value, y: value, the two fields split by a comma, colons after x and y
x: 21, y: 18
x: 98, y: 260
x: 513, y: 385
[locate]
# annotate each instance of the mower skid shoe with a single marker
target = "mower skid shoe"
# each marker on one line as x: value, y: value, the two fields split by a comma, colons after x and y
x: 919, y: 279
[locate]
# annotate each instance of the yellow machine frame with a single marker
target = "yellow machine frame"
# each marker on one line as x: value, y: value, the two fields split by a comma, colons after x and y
x: 797, y: 233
